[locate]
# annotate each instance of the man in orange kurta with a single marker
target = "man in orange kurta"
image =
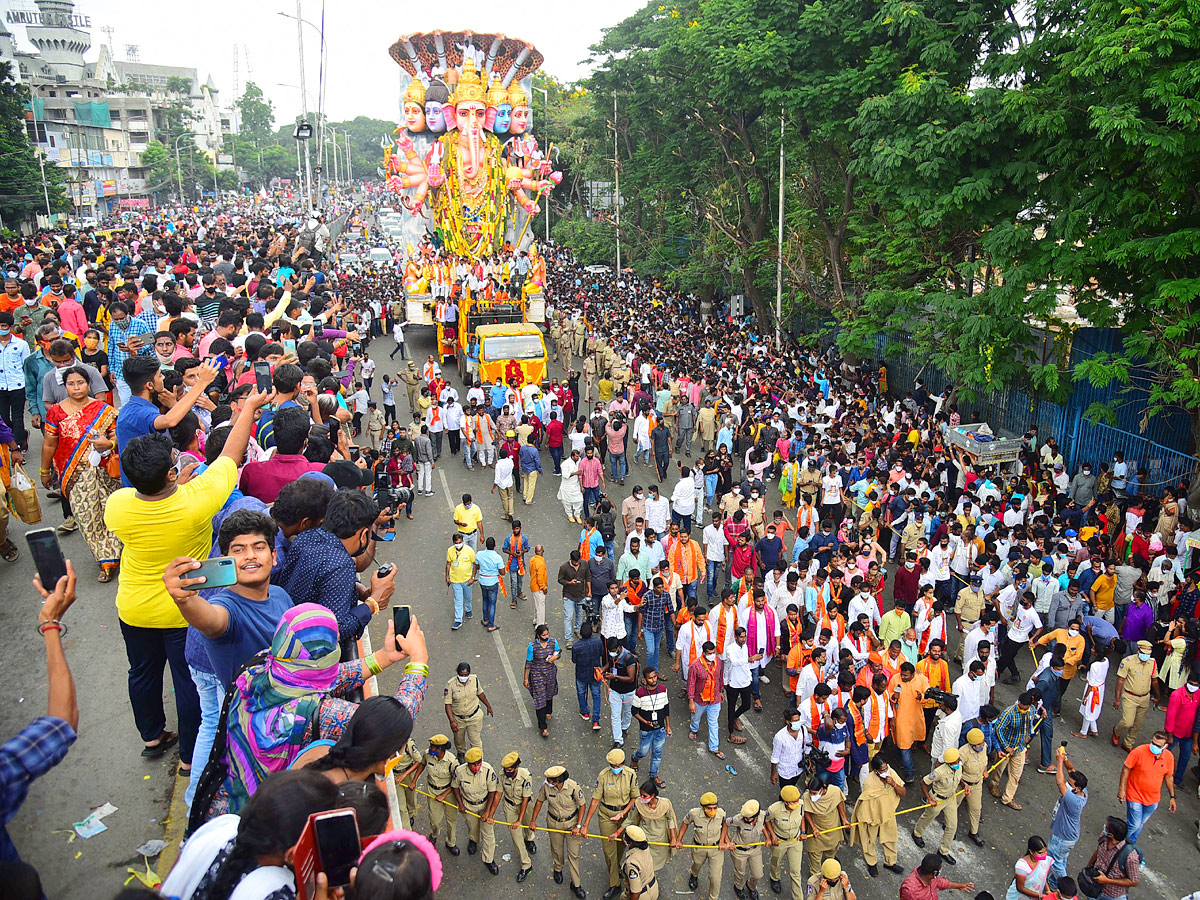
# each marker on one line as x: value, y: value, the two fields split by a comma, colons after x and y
x: 907, y: 689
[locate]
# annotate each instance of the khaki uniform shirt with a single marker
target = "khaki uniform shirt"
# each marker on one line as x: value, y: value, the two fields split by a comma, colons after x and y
x: 517, y: 788
x: 438, y: 772
x: 1137, y: 674
x: 615, y: 791
x: 562, y: 803
x: 788, y: 823
x: 943, y: 782
x: 974, y: 763
x: 638, y: 869
x: 475, y: 786
x: 970, y: 604
x: 834, y: 892
x: 463, y: 698
x: 707, y: 831
x: 742, y: 832
x: 408, y: 756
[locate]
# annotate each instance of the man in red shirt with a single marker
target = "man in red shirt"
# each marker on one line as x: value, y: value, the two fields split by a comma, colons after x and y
x: 554, y: 440
x: 1147, y: 768
x: 266, y: 479
x: 924, y: 882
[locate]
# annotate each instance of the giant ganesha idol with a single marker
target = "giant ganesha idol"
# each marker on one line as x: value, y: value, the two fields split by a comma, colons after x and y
x: 465, y: 153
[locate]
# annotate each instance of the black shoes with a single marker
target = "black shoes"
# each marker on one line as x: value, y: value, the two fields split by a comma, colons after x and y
x: 753, y: 894
x: 453, y: 851
x: 531, y: 847
x: 776, y: 886
x: 693, y: 882
x: 948, y: 859
x: 579, y: 892
x: 472, y: 847
x: 558, y: 877
x: 523, y: 874
x: 613, y: 891
x: 894, y: 868
x: 740, y: 893
x: 976, y: 839
x: 873, y: 871
x: 492, y: 867
x: 920, y: 842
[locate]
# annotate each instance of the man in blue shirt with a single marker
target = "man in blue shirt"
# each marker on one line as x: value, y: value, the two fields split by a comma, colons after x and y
x: 491, y: 564
x: 768, y: 550
x: 141, y: 415
x: 1064, y: 829
x: 286, y: 381
x: 531, y: 467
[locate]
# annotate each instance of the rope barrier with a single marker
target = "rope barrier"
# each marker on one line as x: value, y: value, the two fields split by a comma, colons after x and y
x: 801, y: 837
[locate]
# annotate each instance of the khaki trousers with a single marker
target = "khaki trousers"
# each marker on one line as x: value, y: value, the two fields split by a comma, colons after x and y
x: 482, y: 833
x: 571, y: 843
x: 869, y: 840
x: 1015, y: 765
x: 1133, y: 711
x: 747, y: 867
x: 470, y: 732
x: 948, y: 810
x: 520, y: 835
x: 793, y: 852
x: 438, y: 813
x: 613, y: 850
x: 406, y: 799
x: 528, y: 483
x: 974, y: 801
x: 713, y: 861
x: 506, y: 500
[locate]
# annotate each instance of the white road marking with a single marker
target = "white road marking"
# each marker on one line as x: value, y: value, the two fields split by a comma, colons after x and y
x: 512, y: 679
x: 446, y: 491
x: 757, y: 738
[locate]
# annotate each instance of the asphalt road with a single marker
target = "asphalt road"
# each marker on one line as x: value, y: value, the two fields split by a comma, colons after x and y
x: 105, y: 765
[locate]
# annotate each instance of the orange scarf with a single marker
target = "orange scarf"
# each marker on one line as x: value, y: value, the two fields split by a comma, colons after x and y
x: 726, y: 624
x: 585, y: 545
x: 860, y: 730
x: 879, y: 727
x: 694, y: 650
x: 709, y: 693
x: 634, y: 592
x: 816, y: 712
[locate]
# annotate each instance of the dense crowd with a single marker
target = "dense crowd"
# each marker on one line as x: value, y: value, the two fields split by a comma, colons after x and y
x: 201, y: 381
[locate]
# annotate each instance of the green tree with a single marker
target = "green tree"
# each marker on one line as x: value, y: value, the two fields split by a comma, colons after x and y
x: 21, y: 183
x: 256, y: 115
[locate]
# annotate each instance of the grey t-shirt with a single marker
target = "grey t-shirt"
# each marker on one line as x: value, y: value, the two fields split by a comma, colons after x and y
x: 1067, y: 811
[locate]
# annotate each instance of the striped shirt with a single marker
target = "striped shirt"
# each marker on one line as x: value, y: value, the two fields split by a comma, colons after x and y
x: 1014, y: 728
x: 653, y: 705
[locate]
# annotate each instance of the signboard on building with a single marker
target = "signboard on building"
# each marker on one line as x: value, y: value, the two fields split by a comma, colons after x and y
x: 106, y: 189
x: 224, y: 159
x: 134, y: 202
x: 29, y: 14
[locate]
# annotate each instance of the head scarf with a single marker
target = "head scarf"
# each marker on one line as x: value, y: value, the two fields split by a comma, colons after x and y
x: 277, y: 700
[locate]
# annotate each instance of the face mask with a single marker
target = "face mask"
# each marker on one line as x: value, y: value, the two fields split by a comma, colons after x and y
x: 5, y: 331
x: 816, y: 795
x: 616, y: 770
x: 1157, y: 750
x: 754, y: 495
x: 795, y: 726
x: 956, y: 766
x: 710, y: 656
x: 463, y: 679
x: 710, y: 813
x: 1144, y: 657
x: 1192, y: 688
x: 1039, y: 856
x: 910, y: 565
x: 1072, y: 631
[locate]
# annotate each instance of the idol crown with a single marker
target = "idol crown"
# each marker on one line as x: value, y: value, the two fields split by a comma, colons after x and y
x: 470, y: 86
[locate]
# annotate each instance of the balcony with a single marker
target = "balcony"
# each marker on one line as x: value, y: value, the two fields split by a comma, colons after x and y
x: 140, y: 125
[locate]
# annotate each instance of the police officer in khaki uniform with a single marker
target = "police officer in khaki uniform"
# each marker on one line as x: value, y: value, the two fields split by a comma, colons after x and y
x: 831, y: 883
x: 968, y: 608
x: 580, y: 336
x: 740, y: 832
x: 477, y: 790
x: 589, y: 378
x: 412, y: 384
x: 708, y: 821
x: 637, y: 868
x: 787, y: 823
x: 974, y: 758
x: 438, y: 766
x: 407, y: 768
x: 517, y: 788
x: 1135, y: 680
x: 465, y: 702
x: 616, y: 790
x: 940, y: 788
x: 565, y: 808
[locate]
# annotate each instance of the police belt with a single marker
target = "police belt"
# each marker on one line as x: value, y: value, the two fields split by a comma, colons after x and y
x: 942, y: 799
x: 438, y: 787
x: 473, y: 803
x: 972, y: 783
x: 469, y: 715
x: 744, y: 847
x: 614, y: 808
x: 569, y: 818
x: 1132, y: 694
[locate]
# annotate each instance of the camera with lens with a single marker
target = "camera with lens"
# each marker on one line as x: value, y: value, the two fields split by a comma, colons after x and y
x: 938, y: 695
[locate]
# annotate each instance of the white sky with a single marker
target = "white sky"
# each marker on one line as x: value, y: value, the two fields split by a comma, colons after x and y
x: 362, y: 78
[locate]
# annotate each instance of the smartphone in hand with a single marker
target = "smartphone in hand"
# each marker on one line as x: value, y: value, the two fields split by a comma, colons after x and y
x: 47, y: 556
x: 401, y: 620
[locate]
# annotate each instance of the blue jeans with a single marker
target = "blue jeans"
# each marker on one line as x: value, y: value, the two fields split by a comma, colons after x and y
x: 754, y: 688
x: 630, y: 639
x: 712, y: 570
x: 462, y: 600
x: 572, y: 618
x: 1058, y: 850
x: 591, y: 496
x: 651, y: 744
x: 212, y: 695
x: 684, y: 522
x: 640, y: 455
x: 713, y: 711
x: 691, y: 592
x: 838, y: 778
x: 710, y: 489
x: 581, y: 693
x: 620, y: 714
x: 1136, y: 817
x: 490, y: 593
x: 618, y: 466
x: 906, y: 759
x: 124, y: 391
x: 653, y: 641
x: 1182, y: 748
x: 556, y: 455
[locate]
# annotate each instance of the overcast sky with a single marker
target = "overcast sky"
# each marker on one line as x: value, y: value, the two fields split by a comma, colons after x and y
x: 362, y: 78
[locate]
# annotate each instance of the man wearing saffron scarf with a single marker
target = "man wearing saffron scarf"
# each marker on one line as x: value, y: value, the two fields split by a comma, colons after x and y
x: 762, y: 634
x: 691, y: 638
x: 704, y: 686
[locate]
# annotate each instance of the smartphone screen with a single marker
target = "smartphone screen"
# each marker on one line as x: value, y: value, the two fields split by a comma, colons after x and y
x: 276, y: 332
x: 318, y: 331
x: 217, y: 572
x: 337, y: 845
x: 47, y: 556
x: 401, y: 619
x: 262, y: 376
x: 221, y: 361
x: 289, y: 345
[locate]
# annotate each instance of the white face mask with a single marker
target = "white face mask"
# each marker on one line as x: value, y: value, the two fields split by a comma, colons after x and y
x: 816, y: 795
x: 1072, y: 631
x: 795, y: 726
x: 710, y: 656
x: 463, y: 679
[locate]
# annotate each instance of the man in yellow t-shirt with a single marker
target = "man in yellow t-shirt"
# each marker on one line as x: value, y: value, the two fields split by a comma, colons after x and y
x: 461, y: 572
x: 1102, y: 591
x: 468, y: 519
x: 165, y: 515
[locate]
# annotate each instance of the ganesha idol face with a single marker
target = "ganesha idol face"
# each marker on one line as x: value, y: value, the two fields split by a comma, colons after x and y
x: 434, y: 118
x: 414, y: 116
x: 469, y: 116
x: 522, y: 120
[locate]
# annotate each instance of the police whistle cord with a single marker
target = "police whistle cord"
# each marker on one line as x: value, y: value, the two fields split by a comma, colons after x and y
x: 801, y: 837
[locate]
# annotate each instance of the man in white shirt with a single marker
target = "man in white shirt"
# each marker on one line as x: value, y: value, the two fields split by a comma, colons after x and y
x: 787, y: 751
x: 737, y: 683
x: 863, y: 602
x: 683, y: 499
x: 503, y: 483
x: 947, y: 732
x: 939, y: 567
x: 715, y: 543
x: 972, y: 692
x: 658, y: 511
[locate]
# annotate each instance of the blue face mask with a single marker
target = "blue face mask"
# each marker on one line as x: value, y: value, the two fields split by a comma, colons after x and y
x: 1157, y: 750
x: 1144, y: 657
x: 616, y: 770
x: 956, y: 766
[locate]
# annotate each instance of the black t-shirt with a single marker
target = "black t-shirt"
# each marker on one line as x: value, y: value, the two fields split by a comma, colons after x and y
x: 96, y: 360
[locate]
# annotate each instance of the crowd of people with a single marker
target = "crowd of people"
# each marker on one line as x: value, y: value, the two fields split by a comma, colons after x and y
x: 202, y: 384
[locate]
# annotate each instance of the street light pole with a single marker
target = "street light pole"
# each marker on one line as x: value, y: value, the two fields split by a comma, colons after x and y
x: 546, y: 100
x: 617, y: 183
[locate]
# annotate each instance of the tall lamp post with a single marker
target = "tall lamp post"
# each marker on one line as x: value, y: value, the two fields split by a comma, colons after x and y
x: 546, y: 101
x: 179, y: 167
x: 300, y: 22
x: 302, y: 132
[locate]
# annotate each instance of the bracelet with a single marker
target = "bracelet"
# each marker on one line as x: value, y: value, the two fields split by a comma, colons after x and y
x: 373, y: 605
x: 373, y: 666
x: 54, y: 624
x: 47, y: 471
x: 416, y: 668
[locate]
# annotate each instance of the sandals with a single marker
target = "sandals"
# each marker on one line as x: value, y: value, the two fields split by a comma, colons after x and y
x: 106, y: 575
x: 9, y: 551
x: 513, y: 605
x: 736, y: 739
x: 165, y: 740
x: 718, y: 754
x: 691, y: 735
